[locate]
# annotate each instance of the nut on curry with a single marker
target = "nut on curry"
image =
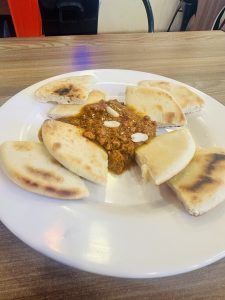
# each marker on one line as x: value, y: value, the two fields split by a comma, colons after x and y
x: 111, y: 124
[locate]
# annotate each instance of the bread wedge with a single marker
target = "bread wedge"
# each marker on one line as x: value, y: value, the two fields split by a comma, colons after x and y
x: 165, y: 155
x: 75, y: 152
x: 65, y: 110
x: 187, y: 99
x: 157, y: 104
x: 70, y: 90
x: 30, y: 166
x: 201, y: 185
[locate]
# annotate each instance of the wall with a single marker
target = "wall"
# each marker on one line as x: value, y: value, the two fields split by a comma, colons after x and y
x: 130, y: 16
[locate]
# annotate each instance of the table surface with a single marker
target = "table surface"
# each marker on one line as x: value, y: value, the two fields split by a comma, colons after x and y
x: 195, y: 58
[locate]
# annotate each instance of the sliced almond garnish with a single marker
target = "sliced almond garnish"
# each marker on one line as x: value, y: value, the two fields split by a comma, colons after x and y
x: 112, y: 112
x: 111, y: 124
x: 139, y: 137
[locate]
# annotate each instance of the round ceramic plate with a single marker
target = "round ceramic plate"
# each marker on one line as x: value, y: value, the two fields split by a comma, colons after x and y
x: 128, y: 228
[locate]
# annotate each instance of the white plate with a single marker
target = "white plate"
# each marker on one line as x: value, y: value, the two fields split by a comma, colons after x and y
x: 129, y: 229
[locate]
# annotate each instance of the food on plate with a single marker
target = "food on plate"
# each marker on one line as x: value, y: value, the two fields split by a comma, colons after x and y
x: 31, y: 167
x: 166, y: 155
x: 157, y: 104
x: 116, y: 128
x: 65, y: 110
x: 186, y: 98
x: 74, y: 151
x: 70, y: 90
x: 201, y: 185
x: 90, y: 136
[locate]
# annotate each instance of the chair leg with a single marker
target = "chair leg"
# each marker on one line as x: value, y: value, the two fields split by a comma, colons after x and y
x: 222, y: 25
x: 174, y: 16
x: 189, y: 8
x: 217, y: 25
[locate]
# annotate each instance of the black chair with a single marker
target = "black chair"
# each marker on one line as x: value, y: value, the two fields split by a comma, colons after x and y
x: 70, y: 17
x: 6, y: 26
x: 188, y: 8
x: 67, y: 17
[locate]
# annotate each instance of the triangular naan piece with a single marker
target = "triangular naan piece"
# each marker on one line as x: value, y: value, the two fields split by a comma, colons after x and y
x: 30, y: 166
x: 65, y: 110
x: 187, y: 99
x: 71, y: 90
x: 75, y: 152
x: 201, y: 185
x: 157, y: 104
x: 165, y: 155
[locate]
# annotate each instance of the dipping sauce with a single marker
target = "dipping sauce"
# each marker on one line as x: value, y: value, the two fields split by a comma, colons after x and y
x: 115, y: 127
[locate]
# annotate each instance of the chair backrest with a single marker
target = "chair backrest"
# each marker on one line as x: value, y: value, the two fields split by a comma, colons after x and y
x: 26, y: 17
x: 65, y: 17
x: 70, y: 17
x: 125, y: 16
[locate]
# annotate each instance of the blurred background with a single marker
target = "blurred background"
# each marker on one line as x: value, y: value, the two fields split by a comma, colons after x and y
x: 23, y: 18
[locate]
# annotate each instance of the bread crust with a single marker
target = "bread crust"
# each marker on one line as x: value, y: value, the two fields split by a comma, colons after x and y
x: 65, y: 110
x: 166, y: 155
x: 201, y: 185
x: 30, y: 166
x: 157, y: 104
x: 71, y: 90
x: 81, y: 156
x: 187, y: 99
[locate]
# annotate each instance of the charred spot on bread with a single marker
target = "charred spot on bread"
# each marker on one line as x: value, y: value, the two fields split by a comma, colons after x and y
x: 62, y: 192
x: 27, y: 182
x: 46, y: 175
x: 70, y: 91
x: 214, y: 159
x: 64, y: 90
x: 203, y: 180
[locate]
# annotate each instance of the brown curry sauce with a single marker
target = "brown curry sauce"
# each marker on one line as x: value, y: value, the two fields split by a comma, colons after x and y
x: 116, y: 141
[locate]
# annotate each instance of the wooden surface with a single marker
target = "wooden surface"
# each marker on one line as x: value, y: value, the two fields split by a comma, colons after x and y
x: 196, y: 58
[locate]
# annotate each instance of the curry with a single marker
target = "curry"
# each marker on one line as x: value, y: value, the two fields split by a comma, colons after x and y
x: 115, y: 127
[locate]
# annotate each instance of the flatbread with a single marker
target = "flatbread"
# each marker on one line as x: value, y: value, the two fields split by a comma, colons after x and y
x: 187, y: 99
x: 201, y: 185
x: 165, y: 155
x: 75, y: 152
x: 71, y: 90
x: 31, y: 167
x: 65, y: 110
x: 157, y: 104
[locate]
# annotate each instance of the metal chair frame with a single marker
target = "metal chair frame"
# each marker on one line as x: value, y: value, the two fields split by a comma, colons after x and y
x: 150, y: 16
